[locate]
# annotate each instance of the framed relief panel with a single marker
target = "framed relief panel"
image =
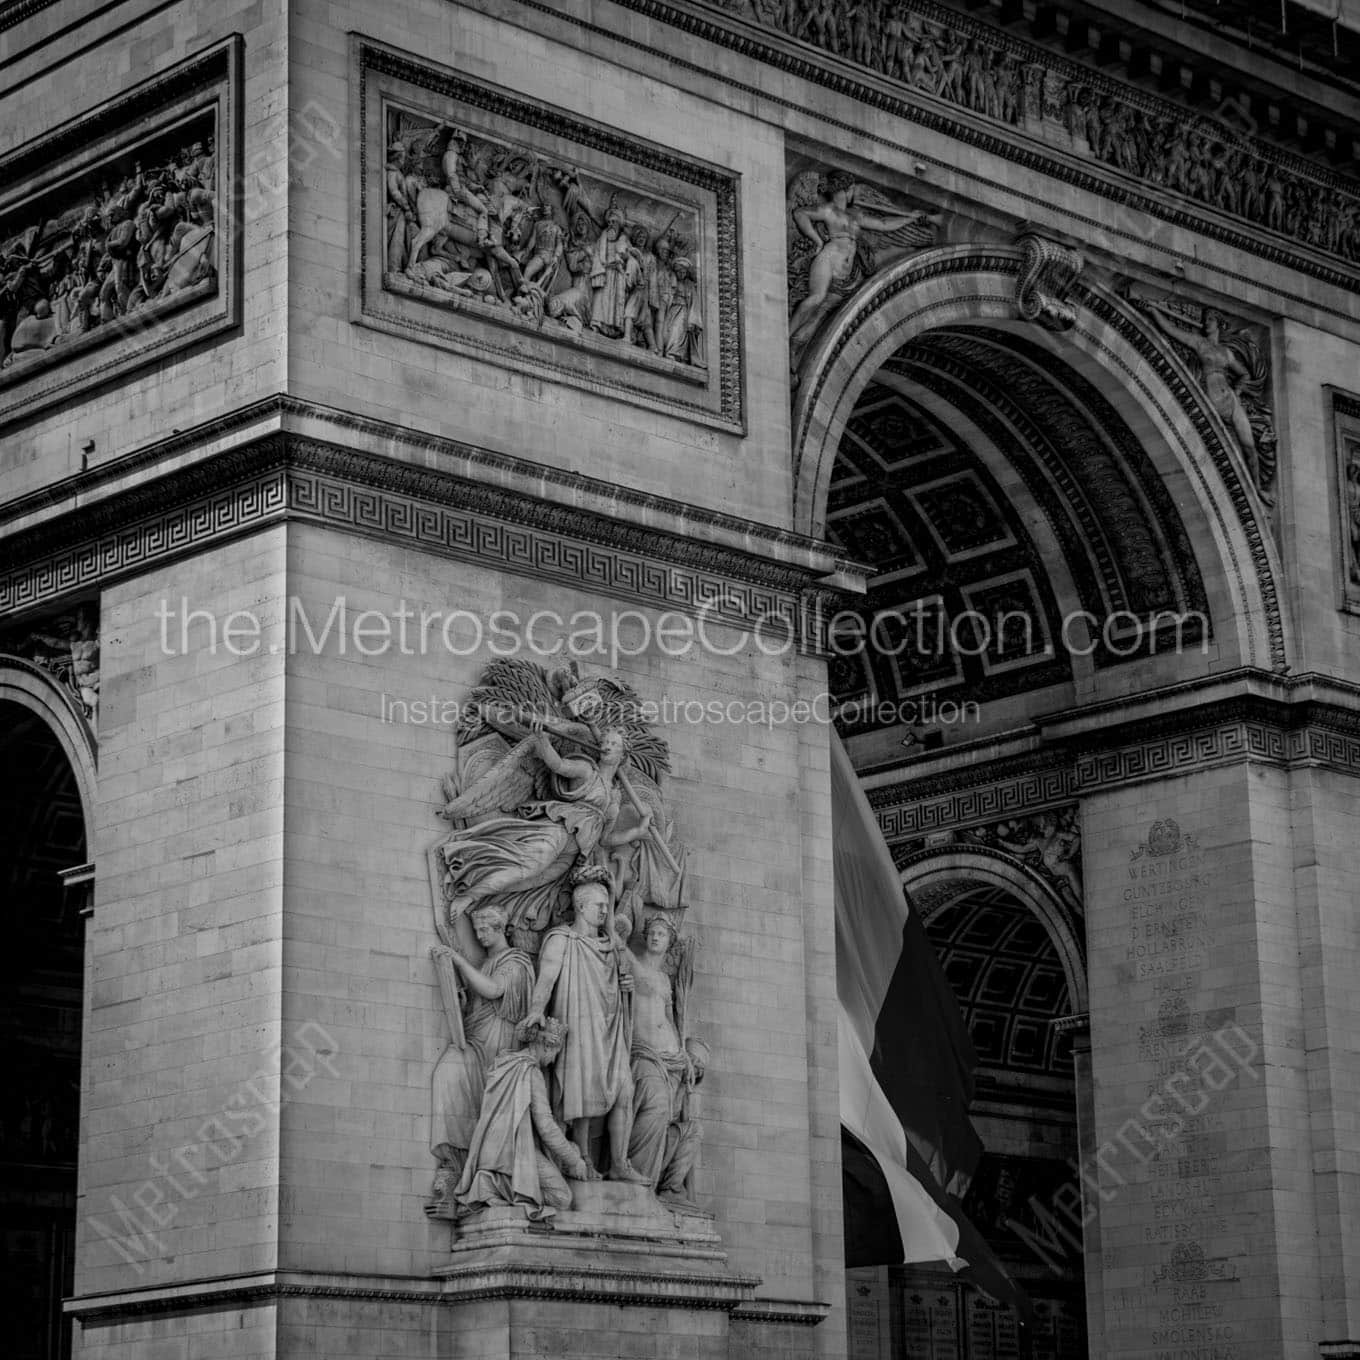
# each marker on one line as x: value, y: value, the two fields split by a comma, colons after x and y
x: 1346, y: 459
x: 119, y: 234
x: 514, y: 232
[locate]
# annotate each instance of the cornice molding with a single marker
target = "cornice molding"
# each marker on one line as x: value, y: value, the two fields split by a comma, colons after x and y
x: 451, y: 1286
x: 799, y: 1312
x: 1248, y: 716
x: 287, y: 476
x: 469, y: 464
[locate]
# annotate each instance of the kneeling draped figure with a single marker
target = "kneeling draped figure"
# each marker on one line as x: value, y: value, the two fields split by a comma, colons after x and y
x: 519, y: 1153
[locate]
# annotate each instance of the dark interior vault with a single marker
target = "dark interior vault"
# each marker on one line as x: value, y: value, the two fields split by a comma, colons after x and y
x: 42, y: 832
x: 1013, y: 523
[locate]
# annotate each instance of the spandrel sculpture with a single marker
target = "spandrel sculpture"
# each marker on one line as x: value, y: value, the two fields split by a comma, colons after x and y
x: 1231, y: 361
x: 841, y: 232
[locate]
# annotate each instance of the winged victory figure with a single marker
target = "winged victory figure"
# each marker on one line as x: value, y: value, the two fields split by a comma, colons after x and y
x: 842, y: 231
x: 552, y: 771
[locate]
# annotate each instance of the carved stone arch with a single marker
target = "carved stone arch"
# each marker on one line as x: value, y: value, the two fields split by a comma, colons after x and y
x: 930, y: 870
x: 1110, y: 349
x: 31, y: 687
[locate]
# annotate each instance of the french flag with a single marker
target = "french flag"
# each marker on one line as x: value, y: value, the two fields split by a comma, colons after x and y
x: 906, y: 1066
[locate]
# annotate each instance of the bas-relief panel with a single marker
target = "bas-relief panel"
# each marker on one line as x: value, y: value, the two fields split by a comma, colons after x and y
x: 1346, y: 458
x: 117, y: 234
x: 513, y: 232
x: 1216, y: 163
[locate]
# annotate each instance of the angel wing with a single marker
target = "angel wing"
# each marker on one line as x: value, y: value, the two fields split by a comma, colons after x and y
x: 921, y: 230
x: 493, y: 777
x: 804, y: 191
x: 507, y: 683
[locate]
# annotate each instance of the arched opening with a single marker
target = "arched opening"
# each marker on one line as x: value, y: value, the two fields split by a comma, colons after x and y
x: 44, y: 849
x: 1009, y: 947
x: 1049, y: 520
x: 1004, y: 967
x: 1043, y: 514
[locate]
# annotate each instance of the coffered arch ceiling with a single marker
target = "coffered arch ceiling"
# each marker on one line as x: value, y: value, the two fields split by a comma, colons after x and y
x: 1129, y: 486
x: 1006, y: 974
x: 995, y: 492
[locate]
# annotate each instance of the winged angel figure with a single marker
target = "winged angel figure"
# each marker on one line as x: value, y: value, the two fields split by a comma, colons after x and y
x: 842, y: 232
x: 552, y: 771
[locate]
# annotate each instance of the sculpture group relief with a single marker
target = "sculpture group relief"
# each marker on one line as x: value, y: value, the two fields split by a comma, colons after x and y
x: 564, y: 974
x: 67, y: 646
x: 1231, y: 361
x: 470, y: 218
x: 1203, y: 159
x: 95, y: 257
x: 1049, y: 842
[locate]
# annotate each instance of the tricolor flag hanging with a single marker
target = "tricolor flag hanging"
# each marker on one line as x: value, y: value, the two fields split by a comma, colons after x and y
x: 906, y: 1065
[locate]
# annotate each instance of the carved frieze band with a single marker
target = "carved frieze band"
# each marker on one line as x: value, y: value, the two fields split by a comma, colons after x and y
x: 288, y: 477
x: 119, y: 234
x: 513, y: 232
x: 965, y: 79
x: 911, y: 815
x: 911, y: 810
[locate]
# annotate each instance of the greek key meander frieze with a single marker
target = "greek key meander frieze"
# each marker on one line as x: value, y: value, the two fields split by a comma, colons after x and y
x: 118, y: 234
x: 511, y: 231
x: 907, y: 819
x: 911, y: 810
x: 1061, y: 119
x: 287, y: 477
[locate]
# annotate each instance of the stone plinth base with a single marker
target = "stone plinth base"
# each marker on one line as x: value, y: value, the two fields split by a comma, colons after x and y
x: 622, y: 1273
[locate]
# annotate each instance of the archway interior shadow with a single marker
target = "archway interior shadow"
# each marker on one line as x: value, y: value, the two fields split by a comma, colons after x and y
x: 42, y: 832
x: 1004, y: 968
